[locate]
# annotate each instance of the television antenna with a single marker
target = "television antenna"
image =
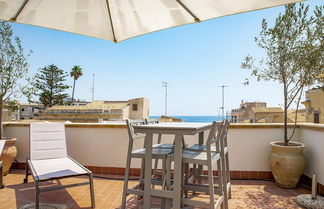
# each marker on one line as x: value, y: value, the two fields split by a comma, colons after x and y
x: 223, y: 105
x: 165, y: 85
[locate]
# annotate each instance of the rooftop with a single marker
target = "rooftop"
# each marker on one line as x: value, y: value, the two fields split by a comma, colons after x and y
x: 245, y: 194
x: 93, y: 105
x: 267, y: 109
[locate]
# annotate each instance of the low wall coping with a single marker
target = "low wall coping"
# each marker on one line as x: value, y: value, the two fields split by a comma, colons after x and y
x: 311, y: 126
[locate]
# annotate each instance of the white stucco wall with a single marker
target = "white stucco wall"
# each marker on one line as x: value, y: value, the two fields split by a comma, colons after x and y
x: 106, y: 145
x: 314, y: 151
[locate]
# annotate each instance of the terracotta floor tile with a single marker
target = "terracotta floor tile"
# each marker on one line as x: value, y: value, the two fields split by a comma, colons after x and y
x: 245, y: 194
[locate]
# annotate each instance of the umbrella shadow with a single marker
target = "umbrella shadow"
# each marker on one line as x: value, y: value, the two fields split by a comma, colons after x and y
x: 268, y: 195
x: 25, y: 194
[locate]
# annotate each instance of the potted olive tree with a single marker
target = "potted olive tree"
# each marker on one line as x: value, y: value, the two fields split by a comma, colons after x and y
x: 294, y: 48
x: 13, y: 82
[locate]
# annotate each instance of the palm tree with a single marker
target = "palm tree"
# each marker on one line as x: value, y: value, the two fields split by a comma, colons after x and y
x: 76, y: 73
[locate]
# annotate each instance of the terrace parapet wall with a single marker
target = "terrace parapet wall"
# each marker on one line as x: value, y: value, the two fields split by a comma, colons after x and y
x: 103, y: 147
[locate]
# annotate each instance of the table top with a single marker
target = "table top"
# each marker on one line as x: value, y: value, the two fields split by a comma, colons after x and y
x: 2, y: 143
x: 173, y: 128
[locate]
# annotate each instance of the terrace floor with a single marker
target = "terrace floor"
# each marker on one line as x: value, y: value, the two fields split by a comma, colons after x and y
x: 245, y: 194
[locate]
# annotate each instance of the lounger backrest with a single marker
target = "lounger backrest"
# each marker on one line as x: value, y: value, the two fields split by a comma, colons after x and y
x: 47, y: 141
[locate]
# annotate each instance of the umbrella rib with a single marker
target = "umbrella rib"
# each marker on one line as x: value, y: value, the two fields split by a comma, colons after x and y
x: 19, y: 10
x: 189, y: 11
x: 111, y: 22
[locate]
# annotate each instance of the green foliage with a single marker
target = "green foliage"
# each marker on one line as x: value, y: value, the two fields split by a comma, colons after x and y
x: 12, y: 106
x: 294, y: 52
x: 50, y: 85
x: 14, y: 80
x: 76, y: 73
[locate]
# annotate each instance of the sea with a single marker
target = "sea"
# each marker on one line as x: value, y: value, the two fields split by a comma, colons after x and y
x: 194, y: 119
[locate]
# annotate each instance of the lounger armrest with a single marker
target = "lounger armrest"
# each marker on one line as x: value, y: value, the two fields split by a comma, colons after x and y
x: 84, y: 168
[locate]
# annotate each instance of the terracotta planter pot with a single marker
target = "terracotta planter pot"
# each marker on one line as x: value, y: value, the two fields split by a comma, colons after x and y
x: 287, y: 163
x: 9, y: 154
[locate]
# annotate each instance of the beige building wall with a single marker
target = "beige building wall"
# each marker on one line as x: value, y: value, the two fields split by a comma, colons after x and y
x: 265, y: 115
x: 139, y: 108
x: 314, y: 104
x: 243, y: 113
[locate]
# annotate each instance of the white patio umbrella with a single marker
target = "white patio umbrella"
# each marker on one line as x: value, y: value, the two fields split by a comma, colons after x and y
x: 118, y: 20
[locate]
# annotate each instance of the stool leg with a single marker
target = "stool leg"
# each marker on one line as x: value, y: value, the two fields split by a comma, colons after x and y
x: 228, y: 176
x: 211, y: 185
x: 220, y: 181
x: 186, y: 178
x: 128, y: 163
x: 163, y: 200
x: 168, y: 181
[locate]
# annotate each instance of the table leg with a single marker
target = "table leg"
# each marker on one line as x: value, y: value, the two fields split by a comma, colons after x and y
x: 147, y: 171
x: 177, y: 171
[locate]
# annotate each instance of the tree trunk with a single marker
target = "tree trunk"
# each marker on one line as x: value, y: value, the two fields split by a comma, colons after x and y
x: 73, y: 90
x: 1, y: 112
x: 285, y: 117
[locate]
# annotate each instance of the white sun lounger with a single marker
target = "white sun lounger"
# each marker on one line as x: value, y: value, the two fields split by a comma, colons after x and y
x: 49, y: 160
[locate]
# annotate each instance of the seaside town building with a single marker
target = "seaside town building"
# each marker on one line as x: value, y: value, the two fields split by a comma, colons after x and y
x: 99, y: 111
x: 265, y: 115
x: 258, y: 112
x: 314, y: 104
x: 29, y: 110
x: 241, y: 115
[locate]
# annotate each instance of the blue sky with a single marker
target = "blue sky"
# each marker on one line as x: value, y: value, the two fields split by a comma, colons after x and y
x: 194, y: 60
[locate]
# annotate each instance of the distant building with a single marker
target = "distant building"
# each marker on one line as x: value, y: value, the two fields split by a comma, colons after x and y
x: 168, y: 119
x: 29, y: 111
x: 314, y: 105
x: 265, y: 115
x: 99, y: 110
x: 241, y: 114
x: 76, y: 102
x: 275, y: 115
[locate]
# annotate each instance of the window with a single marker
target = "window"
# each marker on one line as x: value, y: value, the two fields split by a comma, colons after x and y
x: 135, y: 108
x: 316, y: 117
x: 22, y: 110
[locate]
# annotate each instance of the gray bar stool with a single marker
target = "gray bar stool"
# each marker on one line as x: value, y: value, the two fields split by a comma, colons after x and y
x: 160, y: 151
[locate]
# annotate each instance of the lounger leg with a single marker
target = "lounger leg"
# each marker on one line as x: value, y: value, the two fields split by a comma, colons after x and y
x: 1, y: 176
x: 93, y: 203
x: 26, y: 173
x: 36, y: 195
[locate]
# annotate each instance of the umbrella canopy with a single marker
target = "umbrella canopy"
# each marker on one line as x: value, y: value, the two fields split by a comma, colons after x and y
x: 118, y: 20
